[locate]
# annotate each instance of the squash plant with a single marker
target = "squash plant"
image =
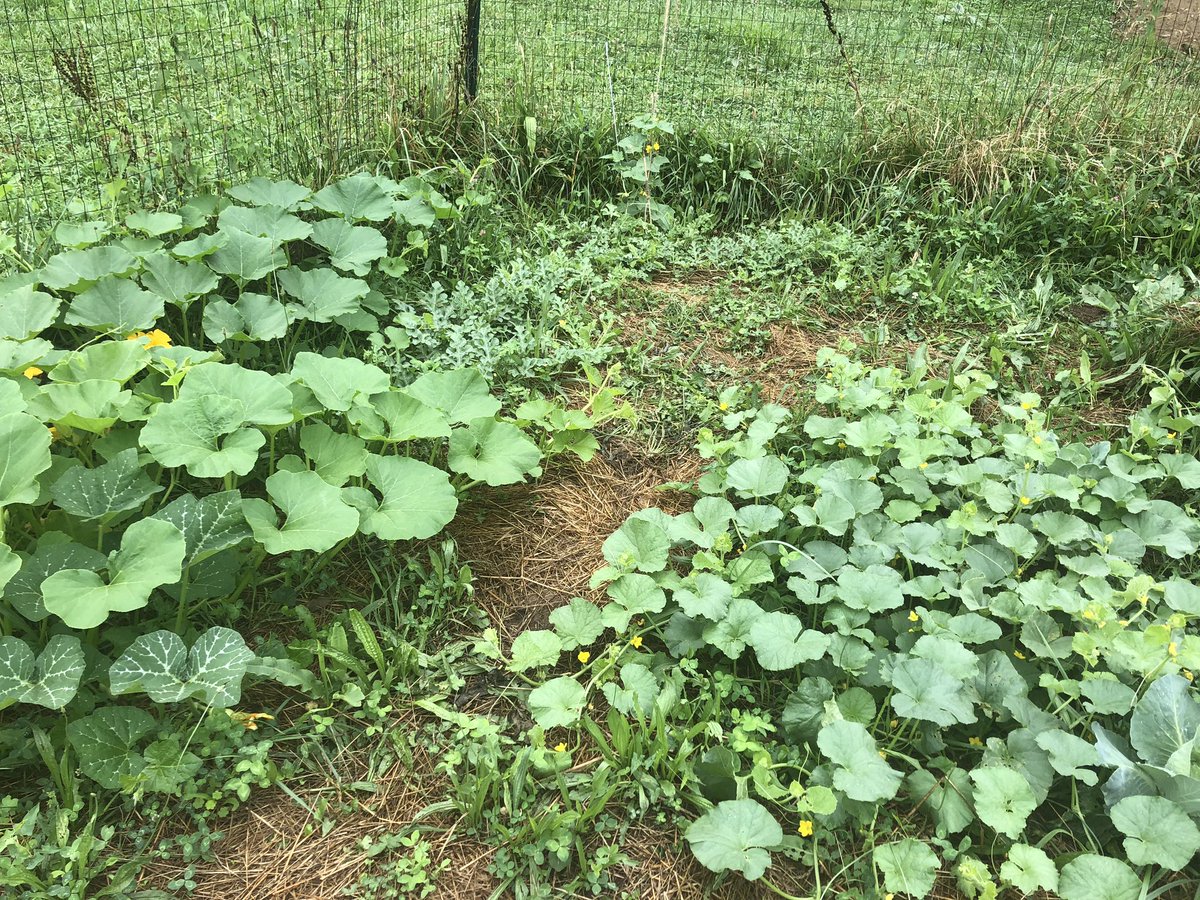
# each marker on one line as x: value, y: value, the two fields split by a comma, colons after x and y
x: 180, y: 406
x: 919, y: 600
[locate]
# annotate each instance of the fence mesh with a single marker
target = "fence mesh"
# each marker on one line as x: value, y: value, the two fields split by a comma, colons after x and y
x: 163, y: 96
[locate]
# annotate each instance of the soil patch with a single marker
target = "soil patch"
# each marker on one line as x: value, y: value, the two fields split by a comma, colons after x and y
x: 1175, y: 22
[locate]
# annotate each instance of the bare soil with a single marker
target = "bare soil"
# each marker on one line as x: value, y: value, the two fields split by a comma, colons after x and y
x: 1176, y: 22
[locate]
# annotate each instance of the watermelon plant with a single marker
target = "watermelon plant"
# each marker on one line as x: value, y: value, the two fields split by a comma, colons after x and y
x: 918, y: 602
x: 183, y: 416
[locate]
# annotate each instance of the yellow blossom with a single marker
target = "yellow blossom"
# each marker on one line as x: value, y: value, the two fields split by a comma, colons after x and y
x: 649, y: 148
x: 53, y: 433
x: 722, y: 406
x: 1170, y: 435
x: 1172, y: 649
x: 656, y: 145
x: 913, y: 617
x: 1088, y: 614
x: 894, y: 723
x: 32, y: 372
x: 1188, y: 675
x: 975, y: 742
x: 923, y: 465
x: 1027, y: 406
x: 1018, y: 654
x: 560, y: 748
x: 1143, y: 599
x: 152, y: 339
x: 583, y: 656
x: 882, y: 755
x: 636, y: 641
x: 1037, y: 439
x: 841, y: 445
x: 1124, y: 623
x: 249, y: 721
x: 805, y: 828
x: 1025, y: 501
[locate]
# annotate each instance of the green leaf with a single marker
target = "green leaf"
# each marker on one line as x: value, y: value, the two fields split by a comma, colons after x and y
x: 116, y: 361
x: 356, y: 198
x: 908, y: 867
x: 1062, y: 528
x: 494, y: 452
x: 637, y: 544
x: 77, y: 235
x: 948, y: 799
x: 55, y: 551
x: 1182, y: 596
x: 1157, y: 832
x: 757, y: 478
x: 461, y: 395
x: 105, y: 742
x: 860, y: 774
x: 1029, y: 869
x: 115, y: 304
x: 351, y: 248
x: 638, y: 691
x: 279, y: 225
x: 1166, y: 719
x: 1003, y: 799
x: 169, y: 766
x: 200, y: 247
x: 209, y: 525
x: 265, y: 399
x: 1185, y: 469
x: 159, y: 664
x: 336, y: 457
x: 416, y: 212
x: 734, y: 836
x: 24, y: 454
x: 418, y: 499
x: 205, y: 434
x: 78, y: 270
x: 558, y: 703
x: 578, y: 624
x: 532, y: 649
x: 254, y: 317
x: 153, y: 224
x: 10, y: 565
x: 245, y: 257
x: 323, y: 294
x: 338, y: 381
x: 50, y: 681
x: 315, y: 517
x: 394, y: 416
x: 1092, y: 877
x: 1068, y: 754
x: 113, y: 487
x: 261, y: 191
x: 780, y: 642
x: 632, y: 595
x: 151, y: 555
x: 25, y: 313
x: 732, y: 633
x: 178, y: 283
x: 926, y: 691
x: 875, y: 589
x: 705, y: 595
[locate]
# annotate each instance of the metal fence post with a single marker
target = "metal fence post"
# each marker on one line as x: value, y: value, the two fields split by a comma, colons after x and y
x: 470, y: 51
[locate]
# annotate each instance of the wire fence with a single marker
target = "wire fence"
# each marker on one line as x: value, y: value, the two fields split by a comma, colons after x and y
x: 157, y: 97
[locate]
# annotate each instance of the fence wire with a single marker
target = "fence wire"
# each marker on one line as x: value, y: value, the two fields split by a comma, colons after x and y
x: 158, y: 97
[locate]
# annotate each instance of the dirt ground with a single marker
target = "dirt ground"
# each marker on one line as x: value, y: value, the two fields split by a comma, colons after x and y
x: 1176, y: 22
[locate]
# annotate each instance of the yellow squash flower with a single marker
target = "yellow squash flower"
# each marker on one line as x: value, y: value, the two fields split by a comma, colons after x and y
x: 583, y: 656
x: 975, y: 742
x: 1018, y: 654
x: 913, y: 617
x: 1172, y: 649
x: 636, y: 642
x: 250, y: 721
x: 805, y: 828
x: 1025, y: 501
x: 560, y: 748
x: 152, y: 339
x: 32, y: 372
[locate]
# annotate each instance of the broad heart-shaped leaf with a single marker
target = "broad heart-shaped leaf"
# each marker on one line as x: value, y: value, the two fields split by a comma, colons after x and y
x: 315, y: 518
x: 1003, y: 799
x: 336, y: 457
x: 254, y: 317
x: 55, y: 551
x: 78, y: 270
x: 10, y: 565
x: 151, y: 555
x: 947, y: 799
x: 756, y: 478
x: 178, y: 283
x: 169, y: 766
x: 705, y: 595
x: 860, y: 774
x: 461, y: 395
x: 395, y: 416
x: 117, y: 361
x: 1029, y: 869
x: 51, y: 680
x: 734, y: 836
x: 1092, y: 877
x: 632, y: 595
x: 267, y: 401
x: 259, y: 191
x: 1157, y: 832
x: 925, y: 690
x: 780, y: 642
x: 154, y: 224
x: 908, y: 867
x: 337, y: 381
x: 875, y: 589
x: 115, y: 304
x: 638, y: 544
x: 104, y: 742
x: 323, y: 294
x: 578, y: 623
x: 1165, y: 719
x: 351, y: 248
x: 494, y: 452
x: 246, y: 257
x: 24, y: 454
x: 418, y: 499
x: 637, y: 693
x: 113, y: 487
x: 356, y: 198
x: 92, y: 405
x: 535, y: 648
x: 205, y: 434
x: 558, y: 703
x: 264, y: 221
x: 25, y: 312
x: 1069, y: 753
x: 209, y: 525
x: 159, y: 664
